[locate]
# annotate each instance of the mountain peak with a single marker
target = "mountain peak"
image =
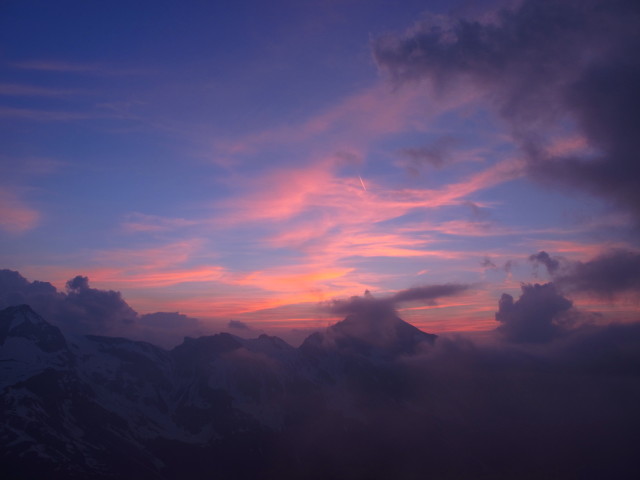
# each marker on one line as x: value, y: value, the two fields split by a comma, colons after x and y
x: 382, y: 333
x: 22, y: 322
x: 22, y: 313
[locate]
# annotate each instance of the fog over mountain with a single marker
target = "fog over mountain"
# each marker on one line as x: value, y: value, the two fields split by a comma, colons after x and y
x: 551, y: 394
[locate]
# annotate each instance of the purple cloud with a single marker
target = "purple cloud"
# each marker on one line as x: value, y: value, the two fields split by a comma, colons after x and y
x: 85, y: 310
x: 535, y: 317
x: 543, y: 258
x: 544, y: 64
x: 612, y: 273
x: 371, y: 305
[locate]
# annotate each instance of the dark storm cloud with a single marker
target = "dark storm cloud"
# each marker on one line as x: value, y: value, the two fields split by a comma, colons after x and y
x: 541, y: 63
x: 369, y: 304
x: 543, y: 313
x: 535, y: 317
x: 366, y: 307
x: 85, y: 310
x: 428, y: 294
x: 612, y: 273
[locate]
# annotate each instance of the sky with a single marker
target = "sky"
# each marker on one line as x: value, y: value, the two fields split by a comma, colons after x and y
x: 197, y: 165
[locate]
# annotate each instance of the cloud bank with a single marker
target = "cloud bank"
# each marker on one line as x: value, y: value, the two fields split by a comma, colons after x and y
x: 548, y: 393
x: 546, y: 66
x: 428, y: 295
x: 535, y: 316
x: 85, y: 310
x: 610, y: 274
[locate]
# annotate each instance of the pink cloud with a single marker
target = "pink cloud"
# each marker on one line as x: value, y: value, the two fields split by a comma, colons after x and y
x: 137, y: 268
x: 320, y: 208
x: 15, y: 215
x: 141, y: 223
x: 375, y: 111
x: 163, y: 256
x: 355, y: 122
x: 155, y: 278
x: 575, y: 250
x: 282, y: 194
x: 332, y: 220
x: 567, y: 145
x: 301, y: 283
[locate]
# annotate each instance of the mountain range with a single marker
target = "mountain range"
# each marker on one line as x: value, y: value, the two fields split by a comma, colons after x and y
x: 102, y: 407
x: 371, y: 397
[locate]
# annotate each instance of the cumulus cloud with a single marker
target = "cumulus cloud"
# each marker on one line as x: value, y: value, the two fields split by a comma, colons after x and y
x: 86, y: 310
x: 17, y: 290
x: 535, y: 317
x: 81, y: 309
x: 544, y: 64
x: 614, y: 272
x: 543, y: 313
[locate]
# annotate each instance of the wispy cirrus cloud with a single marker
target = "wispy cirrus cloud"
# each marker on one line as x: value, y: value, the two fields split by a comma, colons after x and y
x: 284, y: 194
x: 60, y: 66
x: 141, y: 267
x: 142, y: 223
x: 16, y: 216
x: 352, y: 124
x: 52, y: 115
x: 23, y: 90
x: 156, y: 277
x: 169, y: 264
x: 332, y: 220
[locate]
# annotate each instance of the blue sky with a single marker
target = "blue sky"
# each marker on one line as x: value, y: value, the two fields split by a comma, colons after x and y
x: 251, y: 160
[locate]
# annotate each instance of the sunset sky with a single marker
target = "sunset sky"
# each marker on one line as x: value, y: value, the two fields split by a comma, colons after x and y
x: 250, y: 161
